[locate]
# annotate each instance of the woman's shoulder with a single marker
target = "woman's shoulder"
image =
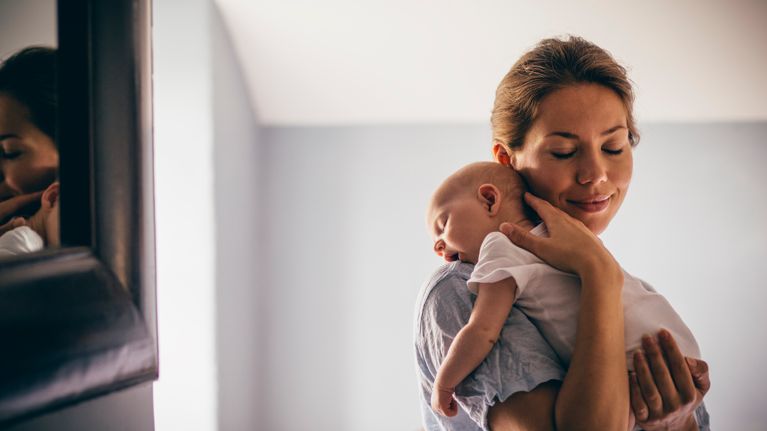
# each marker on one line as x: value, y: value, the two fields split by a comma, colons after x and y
x: 449, y: 277
x: 445, y: 290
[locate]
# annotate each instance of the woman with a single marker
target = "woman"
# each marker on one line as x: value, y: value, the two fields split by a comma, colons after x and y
x: 563, y: 119
x: 29, y: 158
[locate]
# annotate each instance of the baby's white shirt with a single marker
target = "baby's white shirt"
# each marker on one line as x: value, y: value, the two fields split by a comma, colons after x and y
x: 20, y: 240
x: 551, y: 298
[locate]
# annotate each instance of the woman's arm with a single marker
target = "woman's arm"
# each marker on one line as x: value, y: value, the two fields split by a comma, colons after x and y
x: 595, y: 392
x: 473, y: 342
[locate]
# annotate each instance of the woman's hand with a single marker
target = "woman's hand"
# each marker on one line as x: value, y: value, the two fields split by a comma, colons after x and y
x: 13, y: 206
x: 571, y: 246
x: 666, y: 392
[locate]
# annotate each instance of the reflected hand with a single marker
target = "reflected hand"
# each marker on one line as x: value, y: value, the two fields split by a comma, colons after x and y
x: 12, y: 206
x: 570, y: 247
x: 666, y: 387
x: 442, y: 402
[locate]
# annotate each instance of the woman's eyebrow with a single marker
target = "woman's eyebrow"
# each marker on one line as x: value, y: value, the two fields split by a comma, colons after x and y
x: 613, y: 129
x: 568, y: 135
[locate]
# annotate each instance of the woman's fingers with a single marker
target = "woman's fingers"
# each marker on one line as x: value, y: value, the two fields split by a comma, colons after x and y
x: 637, y: 402
x: 647, y: 386
x: 12, y: 205
x: 680, y: 373
x: 699, y: 370
x: 661, y: 374
x: 545, y: 210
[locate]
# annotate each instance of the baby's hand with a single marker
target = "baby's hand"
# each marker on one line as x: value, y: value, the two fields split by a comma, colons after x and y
x: 442, y: 402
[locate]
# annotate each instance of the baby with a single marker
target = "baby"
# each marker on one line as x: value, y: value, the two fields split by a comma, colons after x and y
x: 33, y: 233
x: 463, y: 217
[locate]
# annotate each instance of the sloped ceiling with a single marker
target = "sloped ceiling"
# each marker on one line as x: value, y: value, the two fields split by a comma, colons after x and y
x: 336, y: 62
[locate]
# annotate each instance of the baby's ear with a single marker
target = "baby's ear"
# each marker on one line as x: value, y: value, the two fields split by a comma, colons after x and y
x: 490, y: 197
x: 50, y: 196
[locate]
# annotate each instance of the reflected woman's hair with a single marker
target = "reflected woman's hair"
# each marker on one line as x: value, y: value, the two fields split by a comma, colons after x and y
x: 29, y: 76
x: 29, y: 154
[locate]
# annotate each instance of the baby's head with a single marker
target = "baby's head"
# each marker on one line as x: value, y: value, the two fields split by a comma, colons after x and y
x: 470, y: 204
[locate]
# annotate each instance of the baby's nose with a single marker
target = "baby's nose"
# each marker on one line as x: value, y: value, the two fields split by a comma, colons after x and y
x: 439, y: 247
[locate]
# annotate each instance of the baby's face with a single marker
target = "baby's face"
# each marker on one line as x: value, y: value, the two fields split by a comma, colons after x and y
x: 458, y: 225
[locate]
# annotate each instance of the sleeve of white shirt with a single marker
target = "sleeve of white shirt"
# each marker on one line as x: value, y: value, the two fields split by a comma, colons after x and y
x: 499, y: 259
x: 21, y: 240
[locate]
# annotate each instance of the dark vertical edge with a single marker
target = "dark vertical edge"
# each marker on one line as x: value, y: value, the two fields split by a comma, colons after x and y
x: 123, y: 148
x: 73, y: 123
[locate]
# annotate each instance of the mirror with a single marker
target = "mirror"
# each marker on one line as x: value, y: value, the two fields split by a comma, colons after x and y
x: 28, y: 152
x: 78, y: 321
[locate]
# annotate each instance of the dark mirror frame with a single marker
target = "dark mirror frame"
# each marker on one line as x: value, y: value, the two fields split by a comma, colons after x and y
x: 79, y: 322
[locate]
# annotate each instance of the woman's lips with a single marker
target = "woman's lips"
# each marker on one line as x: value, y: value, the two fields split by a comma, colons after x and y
x: 592, y: 205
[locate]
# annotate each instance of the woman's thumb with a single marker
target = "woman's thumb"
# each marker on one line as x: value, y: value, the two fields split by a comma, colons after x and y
x: 699, y: 372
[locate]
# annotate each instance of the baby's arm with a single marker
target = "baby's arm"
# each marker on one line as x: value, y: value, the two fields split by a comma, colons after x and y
x: 473, y: 342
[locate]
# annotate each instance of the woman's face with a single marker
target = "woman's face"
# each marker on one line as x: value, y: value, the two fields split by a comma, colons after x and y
x: 577, y: 153
x: 29, y: 159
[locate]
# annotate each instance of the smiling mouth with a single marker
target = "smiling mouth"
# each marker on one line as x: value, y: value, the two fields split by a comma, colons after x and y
x: 593, y: 205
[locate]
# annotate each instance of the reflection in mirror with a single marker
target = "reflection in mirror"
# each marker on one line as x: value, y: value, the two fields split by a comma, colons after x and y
x: 29, y: 156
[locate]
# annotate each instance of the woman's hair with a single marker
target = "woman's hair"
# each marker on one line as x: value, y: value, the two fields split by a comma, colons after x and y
x: 550, y: 66
x: 29, y: 76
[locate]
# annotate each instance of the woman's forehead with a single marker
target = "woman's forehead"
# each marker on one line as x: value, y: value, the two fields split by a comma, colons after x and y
x: 12, y: 114
x: 584, y: 108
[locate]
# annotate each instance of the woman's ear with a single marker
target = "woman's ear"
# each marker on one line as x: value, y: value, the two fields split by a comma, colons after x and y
x: 490, y: 197
x: 500, y: 154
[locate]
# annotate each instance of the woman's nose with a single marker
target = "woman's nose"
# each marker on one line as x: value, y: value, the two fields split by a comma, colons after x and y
x: 439, y: 247
x: 591, y: 169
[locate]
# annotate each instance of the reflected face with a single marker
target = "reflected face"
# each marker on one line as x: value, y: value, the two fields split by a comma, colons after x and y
x: 29, y: 159
x: 577, y: 153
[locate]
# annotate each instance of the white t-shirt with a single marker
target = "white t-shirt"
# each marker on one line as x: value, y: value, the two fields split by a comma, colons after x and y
x: 21, y: 240
x: 550, y: 298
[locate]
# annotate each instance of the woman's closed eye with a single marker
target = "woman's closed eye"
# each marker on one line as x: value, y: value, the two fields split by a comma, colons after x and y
x: 563, y: 154
x: 614, y: 148
x: 9, y: 155
x: 568, y: 154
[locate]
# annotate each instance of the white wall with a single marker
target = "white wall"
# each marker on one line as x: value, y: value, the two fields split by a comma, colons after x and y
x: 348, y: 252
x: 185, y: 394
x: 345, y: 62
x: 208, y: 222
x: 237, y: 178
x: 26, y: 23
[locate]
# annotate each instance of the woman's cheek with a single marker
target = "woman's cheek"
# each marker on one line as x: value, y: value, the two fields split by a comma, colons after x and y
x: 34, y: 180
